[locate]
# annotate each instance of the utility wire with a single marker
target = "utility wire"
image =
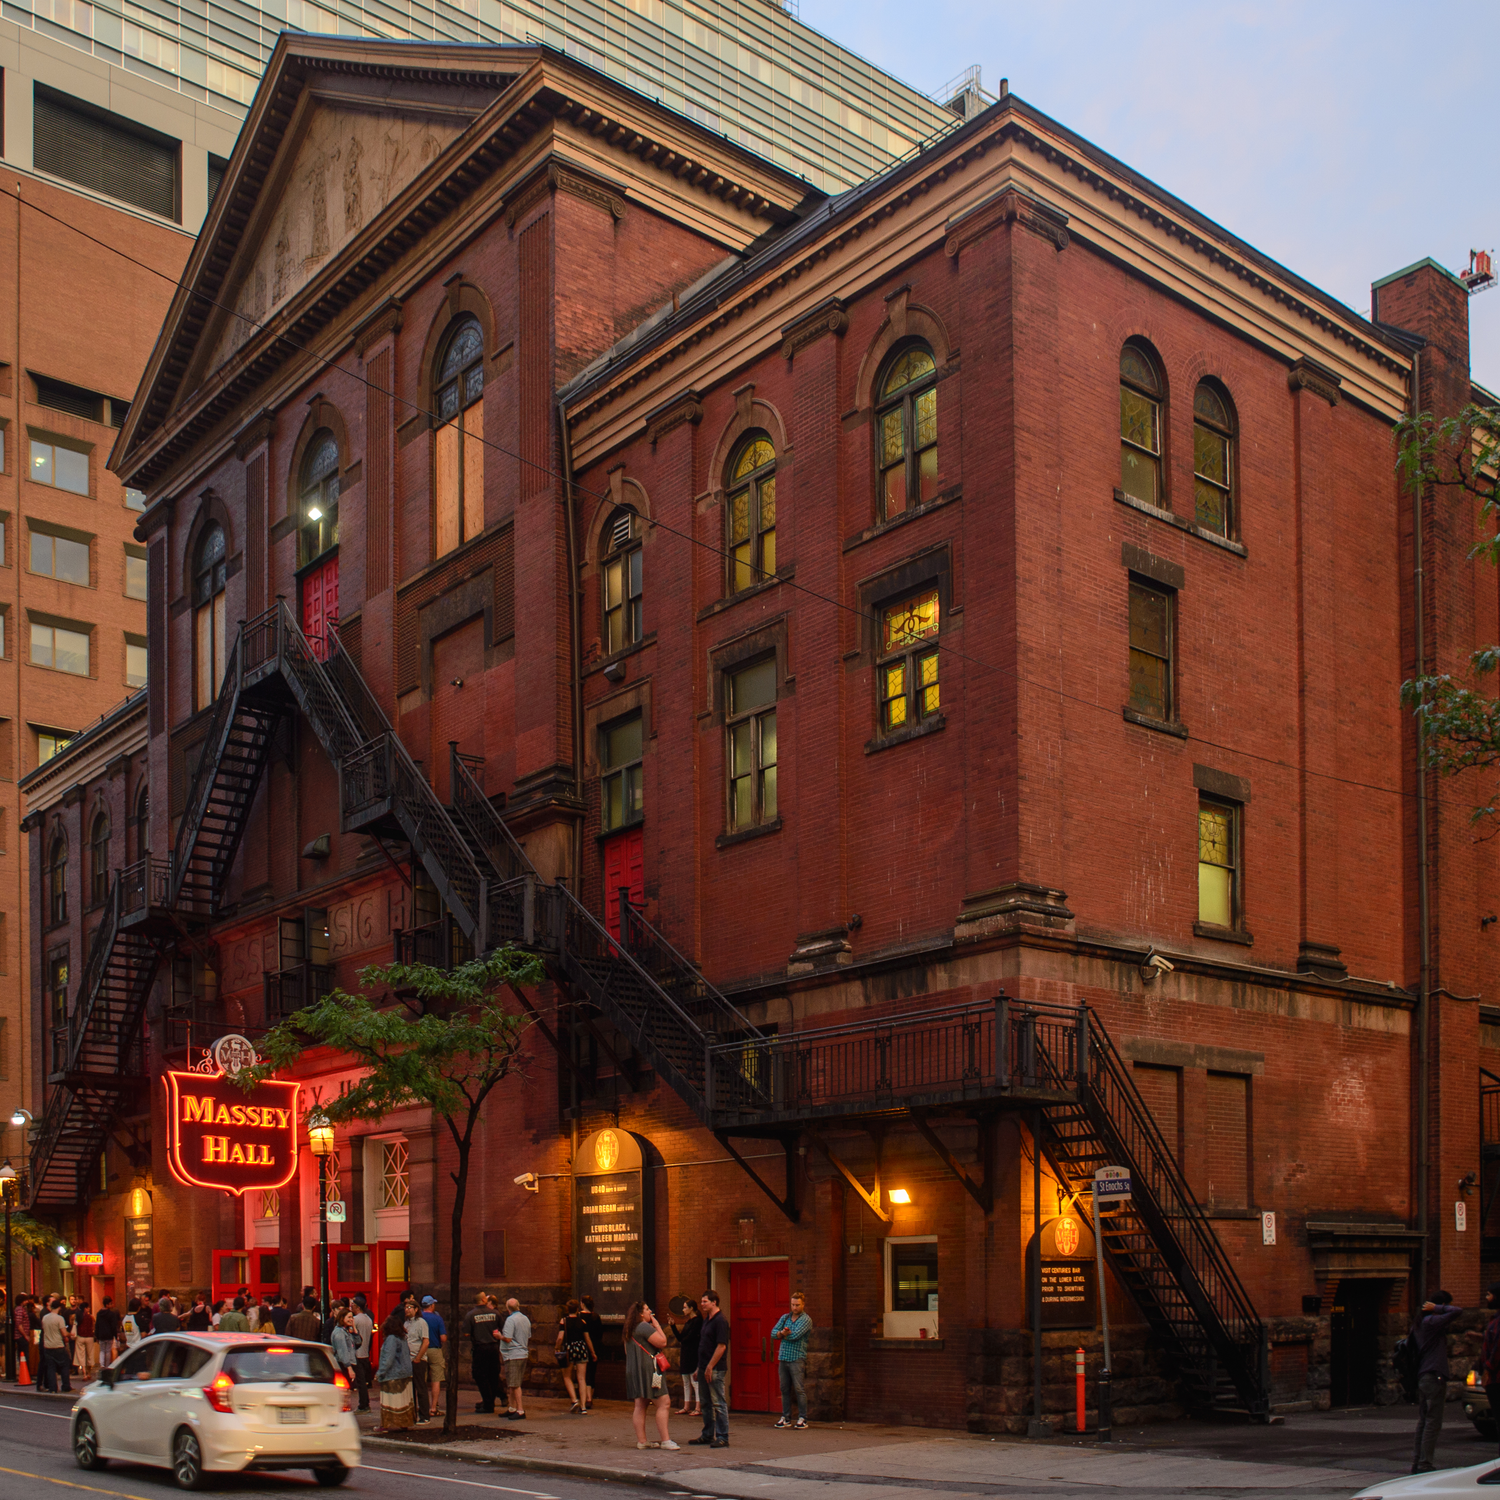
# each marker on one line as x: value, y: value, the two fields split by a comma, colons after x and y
x: 325, y: 363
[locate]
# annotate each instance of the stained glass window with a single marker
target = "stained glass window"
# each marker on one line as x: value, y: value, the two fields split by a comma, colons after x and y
x: 1218, y: 838
x: 750, y: 715
x: 909, y: 685
x: 752, y: 513
x: 1150, y: 650
x: 458, y: 447
x: 906, y: 432
x: 1212, y: 473
x: 621, y: 575
x: 1140, y: 426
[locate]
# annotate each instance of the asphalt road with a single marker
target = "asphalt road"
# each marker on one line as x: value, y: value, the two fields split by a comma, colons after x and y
x: 36, y: 1461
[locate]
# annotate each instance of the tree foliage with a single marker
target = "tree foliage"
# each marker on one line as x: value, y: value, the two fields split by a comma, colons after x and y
x: 1459, y: 716
x: 448, y: 1056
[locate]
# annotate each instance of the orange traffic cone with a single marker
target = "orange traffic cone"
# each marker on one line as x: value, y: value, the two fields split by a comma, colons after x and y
x: 23, y: 1373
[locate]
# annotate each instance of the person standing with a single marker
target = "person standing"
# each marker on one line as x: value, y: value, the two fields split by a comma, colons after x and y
x: 713, y: 1360
x: 304, y: 1323
x: 87, y: 1353
x: 166, y: 1319
x: 484, y: 1352
x: 437, y: 1351
x: 1431, y: 1334
x: 107, y: 1331
x: 687, y: 1338
x: 792, y: 1328
x: 235, y: 1321
x: 645, y: 1385
x: 574, y: 1351
x: 55, y: 1349
x: 280, y: 1314
x: 1488, y: 1364
x: 345, y: 1343
x: 364, y: 1333
x: 417, y: 1340
x: 394, y: 1375
x: 199, y: 1320
x: 595, y: 1325
x: 515, y: 1351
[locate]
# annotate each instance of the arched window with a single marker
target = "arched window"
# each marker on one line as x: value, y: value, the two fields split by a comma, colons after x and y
x: 208, y: 614
x: 620, y: 569
x: 906, y: 421
x: 1213, y: 461
x: 752, y: 512
x: 57, y: 880
x: 143, y: 823
x: 319, y: 492
x: 99, y: 860
x: 458, y: 452
x: 1141, y: 397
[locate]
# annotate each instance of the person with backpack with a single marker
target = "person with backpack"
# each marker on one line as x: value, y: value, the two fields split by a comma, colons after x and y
x: 1430, y: 1335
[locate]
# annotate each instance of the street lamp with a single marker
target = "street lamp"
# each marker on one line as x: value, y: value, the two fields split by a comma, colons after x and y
x: 7, y: 1187
x: 20, y: 1117
x: 320, y: 1143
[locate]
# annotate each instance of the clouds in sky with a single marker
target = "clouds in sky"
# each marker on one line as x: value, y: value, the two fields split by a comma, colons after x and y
x: 1343, y: 140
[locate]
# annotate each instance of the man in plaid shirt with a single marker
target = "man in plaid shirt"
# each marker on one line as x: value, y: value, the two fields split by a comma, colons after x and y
x: 792, y: 1329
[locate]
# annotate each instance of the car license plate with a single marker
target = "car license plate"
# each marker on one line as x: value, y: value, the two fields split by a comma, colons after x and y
x: 294, y: 1414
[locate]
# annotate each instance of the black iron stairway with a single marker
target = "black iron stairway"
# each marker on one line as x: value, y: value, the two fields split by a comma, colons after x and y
x: 1161, y: 1243
x: 98, y: 1071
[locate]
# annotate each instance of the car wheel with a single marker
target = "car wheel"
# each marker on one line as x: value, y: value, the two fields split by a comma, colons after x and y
x: 334, y: 1474
x: 187, y: 1460
x: 86, y: 1444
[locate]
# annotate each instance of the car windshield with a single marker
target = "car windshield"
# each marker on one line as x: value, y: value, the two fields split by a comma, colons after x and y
x: 278, y: 1362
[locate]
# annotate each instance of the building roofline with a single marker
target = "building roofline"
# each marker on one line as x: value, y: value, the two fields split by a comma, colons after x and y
x: 1417, y: 265
x: 84, y: 740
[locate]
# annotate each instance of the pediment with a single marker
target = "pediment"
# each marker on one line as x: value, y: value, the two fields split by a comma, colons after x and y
x: 347, y: 156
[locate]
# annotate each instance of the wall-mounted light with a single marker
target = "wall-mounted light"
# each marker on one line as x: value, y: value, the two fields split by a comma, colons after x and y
x: 900, y: 1195
x: 140, y: 1203
x: 315, y: 513
x: 20, y: 1117
x: 62, y: 1250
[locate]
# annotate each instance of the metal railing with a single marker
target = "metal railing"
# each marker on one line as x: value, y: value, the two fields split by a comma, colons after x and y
x: 146, y: 883
x: 678, y: 976
x: 295, y: 988
x: 273, y: 639
x: 351, y: 685
x: 498, y: 844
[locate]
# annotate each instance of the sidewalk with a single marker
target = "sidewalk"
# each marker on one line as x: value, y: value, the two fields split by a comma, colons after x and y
x: 1316, y: 1454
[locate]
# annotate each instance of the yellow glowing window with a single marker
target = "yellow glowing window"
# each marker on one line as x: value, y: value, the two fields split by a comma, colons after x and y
x: 1218, y: 837
x: 908, y: 684
x: 752, y: 514
x: 907, y: 432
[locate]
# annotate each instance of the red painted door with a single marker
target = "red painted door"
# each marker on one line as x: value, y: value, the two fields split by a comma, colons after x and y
x: 623, y: 867
x: 320, y: 603
x: 758, y: 1293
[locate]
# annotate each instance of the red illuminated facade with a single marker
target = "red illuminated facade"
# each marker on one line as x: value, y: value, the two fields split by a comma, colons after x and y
x: 935, y: 652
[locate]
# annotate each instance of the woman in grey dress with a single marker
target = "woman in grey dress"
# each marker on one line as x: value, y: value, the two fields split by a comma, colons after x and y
x: 644, y: 1385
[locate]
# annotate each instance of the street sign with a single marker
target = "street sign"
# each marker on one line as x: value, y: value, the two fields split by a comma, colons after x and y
x: 336, y: 1213
x: 1461, y: 1216
x: 1111, y: 1184
x: 1268, y: 1228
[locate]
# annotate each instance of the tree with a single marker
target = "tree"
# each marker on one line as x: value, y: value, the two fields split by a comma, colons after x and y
x: 449, y: 1059
x: 1458, y: 718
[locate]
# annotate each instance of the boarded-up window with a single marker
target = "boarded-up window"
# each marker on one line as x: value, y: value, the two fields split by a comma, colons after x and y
x: 494, y: 1254
x: 1227, y: 1140
x: 1161, y: 1088
x: 104, y: 153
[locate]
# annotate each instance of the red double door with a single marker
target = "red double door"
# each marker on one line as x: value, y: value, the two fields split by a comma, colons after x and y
x: 758, y: 1295
x: 320, y: 603
x: 623, y: 870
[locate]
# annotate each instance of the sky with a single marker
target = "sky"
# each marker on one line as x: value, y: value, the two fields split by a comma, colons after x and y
x: 1343, y: 140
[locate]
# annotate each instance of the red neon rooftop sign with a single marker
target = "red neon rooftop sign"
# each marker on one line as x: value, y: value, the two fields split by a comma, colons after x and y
x: 219, y: 1136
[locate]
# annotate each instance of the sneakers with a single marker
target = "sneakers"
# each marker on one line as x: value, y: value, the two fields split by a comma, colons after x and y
x: 515, y: 1416
x: 784, y: 1422
x: 719, y: 1443
x: 801, y: 1424
x: 700, y: 1442
x: 668, y: 1443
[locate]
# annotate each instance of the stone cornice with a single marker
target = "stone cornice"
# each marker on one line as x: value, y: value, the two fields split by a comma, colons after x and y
x: 826, y: 317
x: 1308, y: 375
x: 556, y: 177
x: 687, y: 407
x: 1009, y: 205
x: 384, y: 320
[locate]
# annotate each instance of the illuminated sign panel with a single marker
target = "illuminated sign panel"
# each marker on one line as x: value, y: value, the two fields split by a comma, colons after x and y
x: 83, y: 1258
x: 219, y: 1136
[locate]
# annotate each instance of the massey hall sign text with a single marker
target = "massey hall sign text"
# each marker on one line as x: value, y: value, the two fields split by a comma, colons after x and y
x: 220, y: 1136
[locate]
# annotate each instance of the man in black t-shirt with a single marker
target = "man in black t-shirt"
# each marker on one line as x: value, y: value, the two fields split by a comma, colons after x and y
x: 713, y: 1365
x: 484, y: 1356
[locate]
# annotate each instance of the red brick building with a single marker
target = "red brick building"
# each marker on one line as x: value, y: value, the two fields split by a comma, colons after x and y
x: 824, y: 629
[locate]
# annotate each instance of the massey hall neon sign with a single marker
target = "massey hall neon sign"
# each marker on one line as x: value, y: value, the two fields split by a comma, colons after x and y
x: 220, y: 1136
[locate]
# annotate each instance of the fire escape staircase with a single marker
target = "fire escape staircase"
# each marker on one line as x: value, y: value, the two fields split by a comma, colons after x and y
x: 97, y: 1072
x: 739, y: 1081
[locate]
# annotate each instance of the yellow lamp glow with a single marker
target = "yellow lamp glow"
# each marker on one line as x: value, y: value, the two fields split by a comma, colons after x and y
x: 900, y: 1195
x: 140, y: 1203
x: 319, y: 1135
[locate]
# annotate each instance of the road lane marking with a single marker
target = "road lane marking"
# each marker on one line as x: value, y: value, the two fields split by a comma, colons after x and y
x: 509, y: 1489
x: 57, y: 1416
x: 70, y: 1484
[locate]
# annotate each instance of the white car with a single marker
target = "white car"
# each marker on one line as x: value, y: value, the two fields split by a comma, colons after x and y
x: 1439, y: 1484
x: 202, y: 1403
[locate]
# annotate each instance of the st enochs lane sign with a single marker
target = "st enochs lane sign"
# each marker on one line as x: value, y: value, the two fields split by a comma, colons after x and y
x: 611, y: 1222
x: 220, y: 1136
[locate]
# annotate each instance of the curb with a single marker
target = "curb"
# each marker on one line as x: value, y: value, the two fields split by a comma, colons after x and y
x: 535, y: 1465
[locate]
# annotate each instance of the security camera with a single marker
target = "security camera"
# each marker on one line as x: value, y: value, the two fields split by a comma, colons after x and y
x: 1154, y: 964
x: 528, y: 1181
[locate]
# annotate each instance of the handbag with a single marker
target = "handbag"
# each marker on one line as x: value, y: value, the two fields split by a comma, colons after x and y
x: 657, y: 1357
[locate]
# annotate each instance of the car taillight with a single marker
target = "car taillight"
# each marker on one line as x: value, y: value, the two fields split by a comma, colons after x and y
x: 217, y: 1391
x: 342, y: 1382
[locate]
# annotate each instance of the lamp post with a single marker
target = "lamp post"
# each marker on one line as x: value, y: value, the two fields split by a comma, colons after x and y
x: 320, y: 1143
x: 7, y: 1187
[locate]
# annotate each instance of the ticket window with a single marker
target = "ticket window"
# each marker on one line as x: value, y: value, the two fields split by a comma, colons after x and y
x: 911, y: 1287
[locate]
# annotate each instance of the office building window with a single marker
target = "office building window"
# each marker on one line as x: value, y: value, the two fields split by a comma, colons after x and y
x: 60, y: 557
x: 135, y: 499
x: 135, y: 571
x: 49, y: 742
x: 60, y: 649
x: 106, y: 153
x: 136, y: 658
x: 61, y: 467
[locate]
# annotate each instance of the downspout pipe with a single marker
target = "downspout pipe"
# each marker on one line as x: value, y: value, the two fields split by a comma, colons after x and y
x: 1424, y: 982
x: 575, y: 652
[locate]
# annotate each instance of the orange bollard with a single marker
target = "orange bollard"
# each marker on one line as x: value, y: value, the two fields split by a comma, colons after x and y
x: 1078, y: 1374
x: 23, y: 1372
